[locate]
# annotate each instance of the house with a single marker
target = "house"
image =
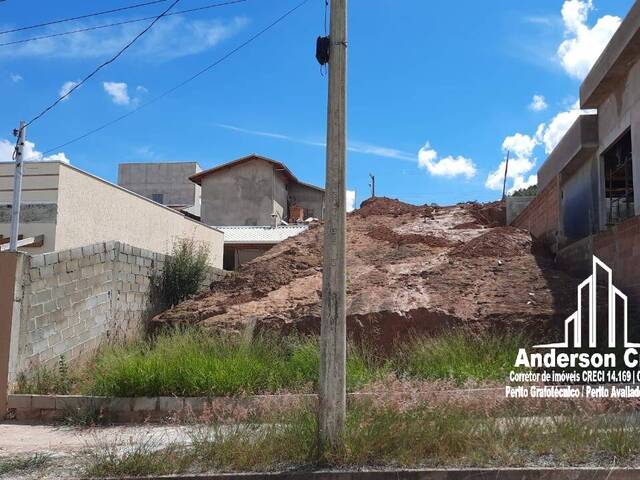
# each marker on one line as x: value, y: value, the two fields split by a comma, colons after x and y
x: 256, y: 191
x: 588, y: 199
x: 257, y: 202
x: 165, y: 183
x: 64, y: 207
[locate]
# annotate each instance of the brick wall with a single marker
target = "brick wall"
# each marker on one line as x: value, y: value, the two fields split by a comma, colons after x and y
x: 73, y: 300
x: 618, y: 247
x: 542, y: 215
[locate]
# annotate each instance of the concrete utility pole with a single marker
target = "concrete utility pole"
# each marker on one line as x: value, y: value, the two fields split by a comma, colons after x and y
x: 333, y: 330
x: 372, y: 185
x: 17, y: 188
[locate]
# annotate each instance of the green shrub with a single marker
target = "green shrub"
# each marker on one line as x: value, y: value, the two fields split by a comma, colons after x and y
x: 184, y: 271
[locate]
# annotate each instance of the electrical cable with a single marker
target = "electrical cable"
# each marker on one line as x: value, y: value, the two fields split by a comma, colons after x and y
x: 101, y: 66
x: 183, y: 83
x: 124, y: 22
x: 53, y: 22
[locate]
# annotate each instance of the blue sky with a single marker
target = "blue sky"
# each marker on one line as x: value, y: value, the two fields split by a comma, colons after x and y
x: 437, y: 90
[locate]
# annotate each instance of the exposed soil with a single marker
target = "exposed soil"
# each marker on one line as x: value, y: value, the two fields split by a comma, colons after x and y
x: 409, y: 269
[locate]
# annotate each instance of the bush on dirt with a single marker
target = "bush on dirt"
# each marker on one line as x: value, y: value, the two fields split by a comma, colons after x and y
x: 183, y: 272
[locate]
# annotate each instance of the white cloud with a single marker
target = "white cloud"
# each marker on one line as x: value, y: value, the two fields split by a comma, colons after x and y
x: 538, y: 103
x: 357, y: 147
x: 171, y: 38
x: 142, y: 89
x: 551, y: 134
x: 517, y: 168
x: 118, y: 92
x: 520, y: 145
x: 520, y: 182
x: 445, y: 167
x: 521, y: 161
x: 29, y: 153
x: 351, y: 200
x: 583, y: 44
x: 66, y: 88
x: 15, y: 77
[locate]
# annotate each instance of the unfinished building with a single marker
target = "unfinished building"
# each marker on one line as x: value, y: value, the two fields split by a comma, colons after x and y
x: 258, y: 202
x: 588, y: 198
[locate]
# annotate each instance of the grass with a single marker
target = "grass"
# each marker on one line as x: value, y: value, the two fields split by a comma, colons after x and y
x: 26, y: 464
x: 380, y: 437
x: 461, y: 358
x: 197, y: 363
x: 141, y: 457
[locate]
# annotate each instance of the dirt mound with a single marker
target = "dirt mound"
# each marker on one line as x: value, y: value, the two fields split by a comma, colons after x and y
x: 391, y: 207
x: 501, y: 242
x: 492, y: 214
x: 410, y: 269
x: 385, y: 234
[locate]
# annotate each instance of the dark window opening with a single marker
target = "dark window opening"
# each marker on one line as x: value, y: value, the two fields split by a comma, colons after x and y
x: 157, y: 197
x: 229, y: 259
x: 618, y: 178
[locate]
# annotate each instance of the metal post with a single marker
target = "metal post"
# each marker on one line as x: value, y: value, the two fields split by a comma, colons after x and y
x: 373, y: 185
x: 17, y: 188
x: 332, y: 407
x: 504, y: 184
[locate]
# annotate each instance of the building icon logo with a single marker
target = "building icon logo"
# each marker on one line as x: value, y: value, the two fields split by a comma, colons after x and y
x: 613, y: 297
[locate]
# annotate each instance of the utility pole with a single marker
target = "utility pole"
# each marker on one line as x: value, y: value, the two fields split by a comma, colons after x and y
x: 506, y: 169
x: 17, y: 188
x: 372, y: 184
x: 333, y: 329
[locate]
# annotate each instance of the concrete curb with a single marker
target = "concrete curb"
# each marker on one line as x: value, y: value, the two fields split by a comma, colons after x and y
x: 427, y: 474
x: 134, y: 409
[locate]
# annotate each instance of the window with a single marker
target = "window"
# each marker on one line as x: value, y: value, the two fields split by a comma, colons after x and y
x: 618, y: 178
x: 157, y: 197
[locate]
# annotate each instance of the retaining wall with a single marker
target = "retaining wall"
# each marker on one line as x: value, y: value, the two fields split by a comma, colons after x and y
x: 69, y: 302
x: 542, y: 216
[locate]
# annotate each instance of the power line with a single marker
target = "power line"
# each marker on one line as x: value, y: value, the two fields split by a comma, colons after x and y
x: 124, y: 22
x: 183, y: 83
x: 105, y: 12
x: 101, y: 66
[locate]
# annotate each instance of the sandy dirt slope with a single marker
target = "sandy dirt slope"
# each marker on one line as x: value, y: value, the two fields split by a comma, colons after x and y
x: 410, y: 268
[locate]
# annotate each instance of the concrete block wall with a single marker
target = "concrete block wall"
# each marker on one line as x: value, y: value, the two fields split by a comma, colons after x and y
x: 542, y: 216
x: 73, y: 300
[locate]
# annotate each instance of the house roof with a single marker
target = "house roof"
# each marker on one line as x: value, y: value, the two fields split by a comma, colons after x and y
x: 245, y: 235
x: 197, y: 178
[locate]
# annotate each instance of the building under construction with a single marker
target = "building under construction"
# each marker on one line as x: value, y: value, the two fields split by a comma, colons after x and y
x: 588, y: 198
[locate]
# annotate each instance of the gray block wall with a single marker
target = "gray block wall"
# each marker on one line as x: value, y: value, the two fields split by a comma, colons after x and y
x: 74, y: 300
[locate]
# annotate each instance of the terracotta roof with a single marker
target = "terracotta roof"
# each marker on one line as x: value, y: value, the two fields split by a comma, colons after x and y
x: 197, y: 178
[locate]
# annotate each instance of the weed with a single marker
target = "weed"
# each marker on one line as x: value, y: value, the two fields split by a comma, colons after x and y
x: 381, y: 437
x: 460, y: 357
x: 47, y: 381
x: 195, y: 362
x: 34, y: 462
x: 86, y: 417
x: 137, y: 458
